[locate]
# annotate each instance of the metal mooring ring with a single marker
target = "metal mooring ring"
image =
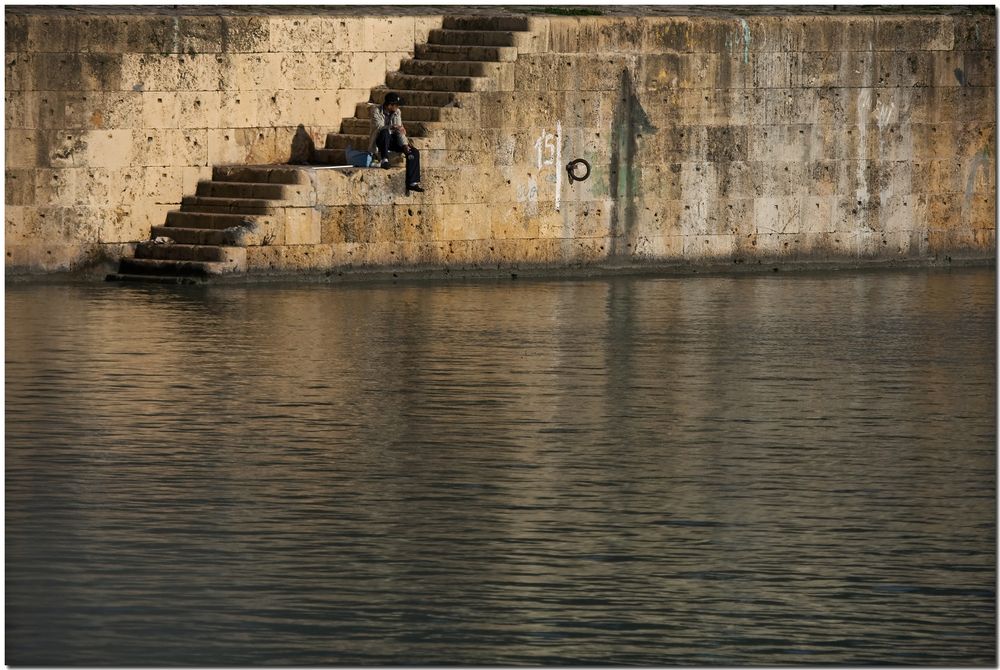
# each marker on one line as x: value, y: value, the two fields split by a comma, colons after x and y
x: 571, y: 169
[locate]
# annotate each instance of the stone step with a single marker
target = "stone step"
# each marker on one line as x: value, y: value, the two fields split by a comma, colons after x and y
x: 329, y: 157
x: 355, y: 126
x: 262, y: 174
x: 416, y: 82
x: 465, y: 52
x: 360, y: 142
x: 154, y: 279
x: 411, y: 113
x: 235, y: 256
x: 416, y: 97
x: 210, y: 205
x: 208, y: 221
x: 202, y: 236
x: 166, y: 268
x: 504, y: 23
x: 449, y: 68
x: 344, y: 141
x: 429, y: 158
x: 337, y: 157
x: 243, y: 189
x: 482, y: 38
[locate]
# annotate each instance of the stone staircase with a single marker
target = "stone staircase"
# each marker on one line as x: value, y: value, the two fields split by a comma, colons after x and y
x: 245, y: 206
x: 466, y: 55
x: 241, y: 206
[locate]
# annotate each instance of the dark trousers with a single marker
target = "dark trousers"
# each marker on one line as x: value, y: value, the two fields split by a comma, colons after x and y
x: 387, y: 141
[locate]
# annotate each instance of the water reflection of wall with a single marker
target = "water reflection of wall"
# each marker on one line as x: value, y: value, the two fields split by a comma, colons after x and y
x: 671, y: 459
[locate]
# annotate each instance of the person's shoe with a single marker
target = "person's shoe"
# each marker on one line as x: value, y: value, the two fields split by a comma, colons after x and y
x: 385, y: 164
x: 415, y: 187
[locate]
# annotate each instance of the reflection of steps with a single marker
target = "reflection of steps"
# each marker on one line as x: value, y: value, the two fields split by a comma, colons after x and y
x: 209, y: 234
x: 270, y: 205
x: 467, y: 55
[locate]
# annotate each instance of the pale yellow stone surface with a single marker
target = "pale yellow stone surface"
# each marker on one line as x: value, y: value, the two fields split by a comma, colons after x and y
x: 710, y: 138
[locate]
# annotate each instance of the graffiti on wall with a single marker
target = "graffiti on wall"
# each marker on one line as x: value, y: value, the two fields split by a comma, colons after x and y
x: 548, y: 153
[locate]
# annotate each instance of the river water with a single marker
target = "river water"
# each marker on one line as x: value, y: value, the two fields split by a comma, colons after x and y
x: 781, y: 469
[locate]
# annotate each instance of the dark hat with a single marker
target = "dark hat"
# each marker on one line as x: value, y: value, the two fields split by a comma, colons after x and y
x: 392, y: 99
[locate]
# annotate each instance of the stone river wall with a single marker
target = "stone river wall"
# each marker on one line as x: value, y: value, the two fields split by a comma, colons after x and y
x: 712, y: 140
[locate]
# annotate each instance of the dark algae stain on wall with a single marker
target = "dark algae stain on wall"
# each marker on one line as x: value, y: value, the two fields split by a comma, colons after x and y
x: 630, y: 123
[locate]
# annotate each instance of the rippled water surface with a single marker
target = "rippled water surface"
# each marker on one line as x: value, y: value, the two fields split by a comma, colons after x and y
x: 749, y: 470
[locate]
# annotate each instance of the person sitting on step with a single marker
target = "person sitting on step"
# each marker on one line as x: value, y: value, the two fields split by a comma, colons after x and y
x: 389, y: 134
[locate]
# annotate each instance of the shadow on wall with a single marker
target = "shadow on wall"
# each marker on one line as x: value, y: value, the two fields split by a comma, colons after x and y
x: 302, y: 147
x: 630, y: 123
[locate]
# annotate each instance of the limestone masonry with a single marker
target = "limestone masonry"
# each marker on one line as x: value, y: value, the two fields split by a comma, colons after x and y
x: 711, y: 139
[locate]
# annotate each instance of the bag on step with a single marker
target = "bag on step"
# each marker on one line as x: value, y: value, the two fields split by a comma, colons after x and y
x: 357, y: 158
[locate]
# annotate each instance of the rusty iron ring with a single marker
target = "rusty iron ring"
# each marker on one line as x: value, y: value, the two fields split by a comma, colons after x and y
x: 571, y: 169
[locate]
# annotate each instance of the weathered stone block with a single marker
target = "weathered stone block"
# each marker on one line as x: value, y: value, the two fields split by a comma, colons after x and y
x: 838, y: 142
x: 199, y: 110
x: 21, y: 110
x: 786, y: 106
x: 660, y: 34
x: 101, y: 187
x: 262, y: 259
x: 699, y: 180
x: 564, y: 34
x: 15, y: 32
x: 586, y: 220
x: 780, y: 178
x: 97, y: 148
x: 709, y: 247
x: 597, y: 35
x: 909, y: 68
x: 975, y: 32
x: 128, y: 224
x: 340, y: 33
x: 19, y: 71
x: 937, y: 176
x: 822, y: 34
x: 96, y: 110
x: 895, y: 213
x: 305, y: 70
x: 51, y: 110
x: 302, y: 225
x: 227, y: 147
x: 166, y: 147
x: 775, y: 69
x: 59, y: 34
x: 658, y: 247
x: 200, y: 71
x: 671, y: 145
x: 388, y: 33
x: 913, y: 33
x: 244, y: 34
x: 856, y: 212
x: 506, y: 223
x: 251, y: 72
x: 163, y: 186
x: 979, y: 212
x: 418, y: 222
x: 780, y: 143
x: 780, y: 215
x: 817, y: 214
x: 464, y: 222
x: 150, y: 72
x: 201, y: 35
x: 153, y: 34
x: 51, y: 188
x: 20, y: 188
x: 239, y: 110
x: 979, y: 68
